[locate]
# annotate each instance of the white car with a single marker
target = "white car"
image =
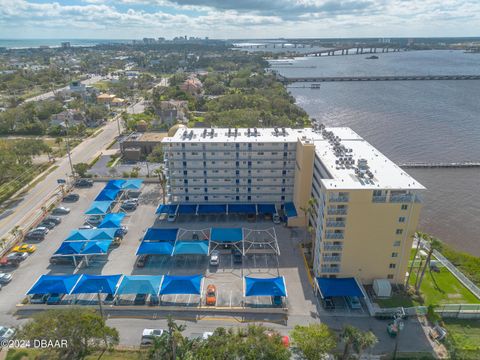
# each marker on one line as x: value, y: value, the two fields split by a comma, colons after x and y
x: 214, y: 258
x: 94, y: 219
x: 86, y: 227
x: 6, y: 333
x: 276, y: 219
x: 172, y: 217
x: 148, y: 336
x: 5, y: 278
x: 353, y: 302
x: 206, y: 335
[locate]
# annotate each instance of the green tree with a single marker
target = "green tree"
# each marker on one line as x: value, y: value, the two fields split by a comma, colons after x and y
x: 162, y: 179
x: 81, y: 169
x: 255, y: 342
x: 313, y: 341
x: 172, y: 345
x: 433, y: 244
x: 156, y: 156
x: 356, y: 339
x: 83, y: 329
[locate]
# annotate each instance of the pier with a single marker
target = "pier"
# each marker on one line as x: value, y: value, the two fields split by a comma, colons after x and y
x: 288, y: 80
x: 425, y: 165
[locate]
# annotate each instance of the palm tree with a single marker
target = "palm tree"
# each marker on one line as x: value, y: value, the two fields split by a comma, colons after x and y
x: 162, y: 179
x: 349, y: 334
x: 418, y: 236
x: 433, y: 244
x: 307, y: 211
x: 364, y: 340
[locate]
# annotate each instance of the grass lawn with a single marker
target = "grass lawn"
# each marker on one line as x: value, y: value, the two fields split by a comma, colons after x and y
x: 437, y: 288
x: 463, y: 339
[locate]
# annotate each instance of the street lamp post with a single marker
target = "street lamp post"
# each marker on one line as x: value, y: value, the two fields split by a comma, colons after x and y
x: 67, y: 138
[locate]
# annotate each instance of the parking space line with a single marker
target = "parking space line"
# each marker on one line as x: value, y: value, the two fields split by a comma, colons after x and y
x: 230, y: 298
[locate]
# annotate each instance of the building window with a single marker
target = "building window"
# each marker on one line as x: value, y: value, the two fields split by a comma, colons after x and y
x: 394, y: 254
x: 404, y: 207
x: 392, y: 266
x: 396, y: 243
x: 399, y: 232
x: 390, y: 276
x: 401, y: 219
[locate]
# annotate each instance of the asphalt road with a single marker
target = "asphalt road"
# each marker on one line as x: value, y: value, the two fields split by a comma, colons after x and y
x: 50, y: 94
x: 84, y: 152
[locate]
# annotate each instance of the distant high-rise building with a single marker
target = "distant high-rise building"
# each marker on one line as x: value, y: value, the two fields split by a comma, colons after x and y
x: 66, y: 44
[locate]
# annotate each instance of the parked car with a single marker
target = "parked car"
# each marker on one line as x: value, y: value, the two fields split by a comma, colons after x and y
x: 61, y: 260
x: 94, y: 219
x: 133, y: 194
x: 54, y: 299
x: 121, y: 231
x: 237, y: 256
x: 128, y: 206
x: 82, y: 183
x: 5, y: 278
x: 53, y: 219
x: 154, y: 300
x: 148, y: 336
x: 38, y: 298
x: 215, y: 258
x: 131, y: 200
x: 353, y: 302
x: 86, y: 227
x: 49, y: 225
x: 277, y: 300
x: 276, y: 219
x: 35, y: 236
x: 171, y: 217
x: 142, y: 261
x: 61, y: 210
x: 140, y: 299
x: 25, y: 248
x: 71, y: 198
x: 328, y: 304
x: 19, y: 256
x: 211, y: 295
x: 251, y: 217
x: 6, y: 333
x: 5, y: 262
x: 40, y: 229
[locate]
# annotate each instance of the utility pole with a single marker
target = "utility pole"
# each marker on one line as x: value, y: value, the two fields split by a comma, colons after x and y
x: 68, y: 149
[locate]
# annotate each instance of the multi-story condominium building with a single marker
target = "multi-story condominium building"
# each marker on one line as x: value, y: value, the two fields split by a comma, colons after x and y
x: 366, y: 208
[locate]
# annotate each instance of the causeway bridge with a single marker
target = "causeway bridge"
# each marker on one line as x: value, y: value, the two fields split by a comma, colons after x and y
x: 358, y: 50
x: 426, y: 165
x: 317, y: 79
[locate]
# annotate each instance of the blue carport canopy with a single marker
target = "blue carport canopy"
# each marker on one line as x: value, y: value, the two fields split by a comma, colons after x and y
x: 132, y: 184
x: 112, y: 220
x: 168, y: 209
x: 155, y: 248
x: 99, y: 208
x: 290, y: 210
x: 226, y: 235
x: 265, y: 287
x: 94, y: 284
x: 96, y: 247
x: 212, y: 209
x: 115, y: 184
x: 187, y: 209
x: 333, y: 287
x: 157, y: 234
x: 266, y: 209
x: 194, y: 247
x: 242, y: 209
x: 54, y: 284
x: 70, y: 248
x: 140, y: 284
x: 181, y: 285
x: 107, y: 195
x: 91, y: 234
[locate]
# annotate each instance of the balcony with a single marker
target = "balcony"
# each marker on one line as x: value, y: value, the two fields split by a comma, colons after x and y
x: 338, y: 199
x: 335, y: 223
x: 337, y: 211
x: 379, y: 199
x: 332, y: 247
x: 401, y: 198
x: 332, y: 235
x: 331, y: 258
x: 330, y: 270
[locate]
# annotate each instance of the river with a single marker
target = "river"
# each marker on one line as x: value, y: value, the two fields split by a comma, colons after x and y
x: 410, y: 121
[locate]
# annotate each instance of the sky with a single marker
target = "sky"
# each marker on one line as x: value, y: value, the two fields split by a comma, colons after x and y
x: 221, y: 19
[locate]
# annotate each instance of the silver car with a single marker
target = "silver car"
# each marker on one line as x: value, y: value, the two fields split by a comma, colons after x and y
x: 5, y: 278
x: 6, y: 333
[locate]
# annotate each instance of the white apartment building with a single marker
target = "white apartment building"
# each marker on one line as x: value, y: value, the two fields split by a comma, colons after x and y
x: 366, y: 208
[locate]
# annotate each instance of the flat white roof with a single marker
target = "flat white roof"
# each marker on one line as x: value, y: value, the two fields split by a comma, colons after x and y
x: 385, y: 173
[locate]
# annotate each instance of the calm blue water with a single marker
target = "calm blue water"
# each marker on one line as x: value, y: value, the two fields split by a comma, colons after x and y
x: 35, y: 43
x: 411, y: 121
